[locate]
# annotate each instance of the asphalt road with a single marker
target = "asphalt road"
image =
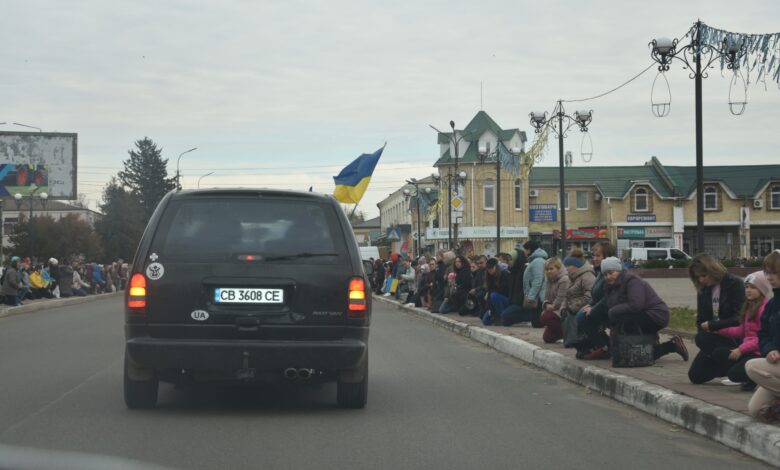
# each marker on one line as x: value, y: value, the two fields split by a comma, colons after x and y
x: 435, y: 401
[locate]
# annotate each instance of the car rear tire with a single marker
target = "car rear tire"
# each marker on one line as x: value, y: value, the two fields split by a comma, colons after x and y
x: 139, y: 394
x: 353, y: 394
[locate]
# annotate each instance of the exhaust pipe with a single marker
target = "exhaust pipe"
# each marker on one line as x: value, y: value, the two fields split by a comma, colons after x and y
x: 291, y: 373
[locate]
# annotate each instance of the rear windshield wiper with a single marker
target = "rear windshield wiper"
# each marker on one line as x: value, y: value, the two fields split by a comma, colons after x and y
x: 298, y: 255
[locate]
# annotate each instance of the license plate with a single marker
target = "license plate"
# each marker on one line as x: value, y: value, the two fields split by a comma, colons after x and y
x: 232, y: 295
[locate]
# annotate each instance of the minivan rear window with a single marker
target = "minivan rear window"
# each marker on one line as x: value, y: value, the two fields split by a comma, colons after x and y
x: 202, y: 229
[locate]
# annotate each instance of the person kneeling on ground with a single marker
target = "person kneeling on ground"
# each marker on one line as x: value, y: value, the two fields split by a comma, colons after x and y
x: 496, y: 291
x: 765, y: 372
x: 39, y: 286
x: 731, y: 362
x: 718, y: 303
x: 456, y: 299
x: 634, y: 304
x: 558, y: 283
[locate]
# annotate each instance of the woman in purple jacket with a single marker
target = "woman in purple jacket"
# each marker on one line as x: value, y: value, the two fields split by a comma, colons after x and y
x: 633, y: 303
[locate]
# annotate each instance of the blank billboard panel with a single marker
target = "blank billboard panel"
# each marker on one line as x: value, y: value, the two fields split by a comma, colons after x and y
x: 44, y: 162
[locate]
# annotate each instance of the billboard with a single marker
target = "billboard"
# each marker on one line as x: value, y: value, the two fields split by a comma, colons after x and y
x: 44, y: 162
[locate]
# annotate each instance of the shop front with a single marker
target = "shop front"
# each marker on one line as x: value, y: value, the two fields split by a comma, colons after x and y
x: 647, y: 236
x: 764, y: 240
x: 478, y: 240
x: 721, y: 242
x: 584, y: 238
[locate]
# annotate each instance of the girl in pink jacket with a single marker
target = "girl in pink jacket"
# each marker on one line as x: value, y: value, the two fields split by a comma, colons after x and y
x: 732, y: 361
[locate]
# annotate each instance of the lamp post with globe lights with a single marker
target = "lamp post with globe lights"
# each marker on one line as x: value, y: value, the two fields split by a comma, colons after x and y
x: 540, y: 121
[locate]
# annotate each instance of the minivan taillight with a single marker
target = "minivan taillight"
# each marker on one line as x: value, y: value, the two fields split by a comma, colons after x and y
x: 357, y: 297
x: 136, y: 298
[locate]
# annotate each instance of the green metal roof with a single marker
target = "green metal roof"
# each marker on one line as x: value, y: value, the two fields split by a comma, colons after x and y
x: 612, y: 181
x: 668, y: 181
x: 479, y: 124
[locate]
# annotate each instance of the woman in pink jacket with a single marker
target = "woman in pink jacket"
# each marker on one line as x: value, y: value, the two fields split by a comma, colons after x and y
x: 732, y: 361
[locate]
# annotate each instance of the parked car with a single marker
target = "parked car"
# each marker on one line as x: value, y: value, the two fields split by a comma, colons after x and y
x: 643, y: 254
x: 247, y: 285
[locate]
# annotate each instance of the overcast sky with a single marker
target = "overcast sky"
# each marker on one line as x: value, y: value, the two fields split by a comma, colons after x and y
x: 284, y: 93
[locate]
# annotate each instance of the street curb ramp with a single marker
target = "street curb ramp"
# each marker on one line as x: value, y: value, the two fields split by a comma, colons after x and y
x: 732, y: 429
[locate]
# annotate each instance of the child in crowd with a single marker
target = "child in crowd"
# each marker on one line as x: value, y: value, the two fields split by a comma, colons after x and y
x: 731, y: 361
x: 765, y: 372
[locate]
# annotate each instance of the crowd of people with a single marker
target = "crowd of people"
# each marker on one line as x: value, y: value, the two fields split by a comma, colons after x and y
x: 587, y: 303
x: 23, y: 280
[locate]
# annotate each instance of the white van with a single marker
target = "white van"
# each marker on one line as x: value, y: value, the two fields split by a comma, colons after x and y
x: 644, y: 254
x: 367, y: 252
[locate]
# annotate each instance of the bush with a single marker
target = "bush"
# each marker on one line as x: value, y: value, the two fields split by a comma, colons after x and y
x: 662, y: 263
x: 655, y: 263
x: 754, y: 263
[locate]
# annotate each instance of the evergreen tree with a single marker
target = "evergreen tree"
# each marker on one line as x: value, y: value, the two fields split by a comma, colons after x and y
x: 122, y: 223
x: 146, y: 176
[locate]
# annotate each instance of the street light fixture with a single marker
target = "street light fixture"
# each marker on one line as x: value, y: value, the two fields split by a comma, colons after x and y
x: 407, y: 195
x: 663, y: 51
x: 540, y: 122
x: 452, y: 238
x: 207, y: 174
x: 178, y: 184
x: 483, y: 153
x: 44, y: 198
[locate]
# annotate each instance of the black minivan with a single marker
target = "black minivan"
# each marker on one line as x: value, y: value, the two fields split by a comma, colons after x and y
x: 247, y: 285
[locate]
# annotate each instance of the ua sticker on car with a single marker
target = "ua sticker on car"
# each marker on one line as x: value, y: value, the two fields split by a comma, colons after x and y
x: 200, y: 315
x: 155, y: 271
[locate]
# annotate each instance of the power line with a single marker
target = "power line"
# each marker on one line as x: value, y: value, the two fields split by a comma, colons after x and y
x: 614, y: 89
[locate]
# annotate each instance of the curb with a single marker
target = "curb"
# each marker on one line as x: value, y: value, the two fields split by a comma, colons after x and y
x: 732, y: 429
x: 6, y: 311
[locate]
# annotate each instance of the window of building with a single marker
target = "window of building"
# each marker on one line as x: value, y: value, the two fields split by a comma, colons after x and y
x: 489, y: 194
x: 565, y: 200
x: 641, y: 200
x: 518, y: 195
x: 774, y: 197
x: 710, y: 198
x: 582, y: 200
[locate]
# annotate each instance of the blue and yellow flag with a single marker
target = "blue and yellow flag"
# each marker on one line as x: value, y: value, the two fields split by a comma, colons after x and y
x: 353, y: 180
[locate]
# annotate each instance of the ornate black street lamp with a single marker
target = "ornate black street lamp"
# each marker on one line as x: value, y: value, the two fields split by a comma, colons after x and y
x: 458, y: 178
x: 44, y: 199
x: 697, y: 57
x: 417, y: 195
x: 483, y: 154
x: 540, y: 121
x: 452, y: 239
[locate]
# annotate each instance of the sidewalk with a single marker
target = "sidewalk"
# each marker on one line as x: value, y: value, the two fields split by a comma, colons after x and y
x: 714, y: 410
x: 43, y: 304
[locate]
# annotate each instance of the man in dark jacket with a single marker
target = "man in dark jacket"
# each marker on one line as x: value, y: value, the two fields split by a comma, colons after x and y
x: 516, y: 295
x: 477, y: 292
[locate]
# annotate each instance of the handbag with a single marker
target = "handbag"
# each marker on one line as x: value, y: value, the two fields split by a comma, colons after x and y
x: 632, y: 349
x: 393, y: 286
x: 571, y: 335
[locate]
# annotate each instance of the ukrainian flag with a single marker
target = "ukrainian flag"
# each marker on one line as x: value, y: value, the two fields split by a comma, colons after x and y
x: 353, y: 180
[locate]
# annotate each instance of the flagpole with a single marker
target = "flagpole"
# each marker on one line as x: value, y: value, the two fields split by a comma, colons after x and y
x: 353, y: 212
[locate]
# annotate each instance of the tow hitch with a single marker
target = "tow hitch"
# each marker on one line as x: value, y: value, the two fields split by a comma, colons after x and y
x: 245, y: 373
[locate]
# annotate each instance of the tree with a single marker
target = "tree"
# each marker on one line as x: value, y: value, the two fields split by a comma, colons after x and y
x: 122, y: 223
x: 146, y: 175
x: 62, y: 239
x: 357, y: 216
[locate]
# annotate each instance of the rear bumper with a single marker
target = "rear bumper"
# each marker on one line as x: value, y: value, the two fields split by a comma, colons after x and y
x: 192, y: 354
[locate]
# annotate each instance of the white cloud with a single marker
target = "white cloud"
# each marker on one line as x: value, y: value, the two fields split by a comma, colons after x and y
x: 297, y: 85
